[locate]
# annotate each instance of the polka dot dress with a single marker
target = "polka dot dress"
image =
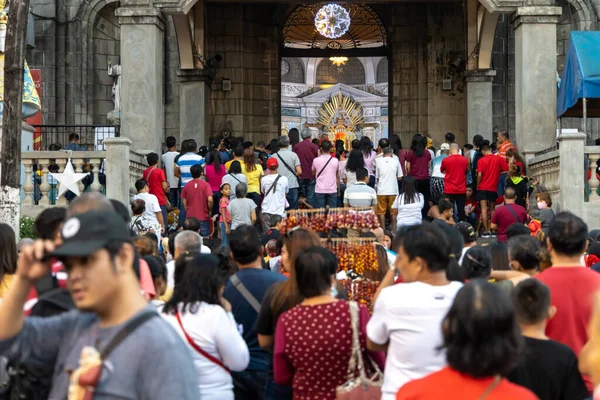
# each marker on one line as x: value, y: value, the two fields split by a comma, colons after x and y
x: 318, y: 343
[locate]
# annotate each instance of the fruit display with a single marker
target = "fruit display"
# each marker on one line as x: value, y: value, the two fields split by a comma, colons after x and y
x: 360, y: 290
x: 355, y: 255
x: 326, y: 220
x: 311, y: 219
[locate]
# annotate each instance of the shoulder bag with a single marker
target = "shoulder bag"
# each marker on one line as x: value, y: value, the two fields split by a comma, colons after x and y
x: 198, y: 348
x: 233, y: 176
x: 324, y: 166
x: 513, y: 213
x: 286, y: 164
x: 490, y: 389
x: 273, y: 186
x: 237, y: 283
x: 359, y: 387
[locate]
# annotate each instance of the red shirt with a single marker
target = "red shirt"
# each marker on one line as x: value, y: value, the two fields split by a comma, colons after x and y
x: 307, y: 151
x: 155, y: 177
x: 419, y: 166
x: 572, y: 290
x: 475, y: 205
x: 449, y: 384
x: 455, y: 167
x: 196, y: 192
x: 504, y: 218
x: 490, y: 167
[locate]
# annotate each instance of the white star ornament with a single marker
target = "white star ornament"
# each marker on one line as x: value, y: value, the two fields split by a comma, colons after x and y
x: 68, y: 180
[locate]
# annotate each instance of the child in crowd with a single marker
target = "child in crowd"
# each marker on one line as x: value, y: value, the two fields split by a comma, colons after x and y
x: 472, y: 209
x: 242, y: 209
x: 225, y: 218
x: 273, y: 251
x: 446, y: 212
x: 274, y: 231
x: 140, y: 223
x: 548, y: 368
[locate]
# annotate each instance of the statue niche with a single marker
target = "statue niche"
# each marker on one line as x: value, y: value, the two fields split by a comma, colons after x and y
x: 341, y: 118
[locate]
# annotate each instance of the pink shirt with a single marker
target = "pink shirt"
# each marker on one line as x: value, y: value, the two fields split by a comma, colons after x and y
x: 224, y: 204
x: 327, y: 180
x: 369, y: 161
x: 213, y: 177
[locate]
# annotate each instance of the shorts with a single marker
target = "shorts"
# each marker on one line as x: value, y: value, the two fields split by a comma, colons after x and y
x: 385, y: 203
x: 487, y: 196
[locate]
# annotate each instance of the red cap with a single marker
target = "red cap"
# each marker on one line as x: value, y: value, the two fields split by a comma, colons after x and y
x: 272, y: 163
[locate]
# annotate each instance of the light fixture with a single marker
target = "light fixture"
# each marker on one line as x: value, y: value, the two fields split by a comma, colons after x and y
x: 332, y: 21
x: 338, y: 61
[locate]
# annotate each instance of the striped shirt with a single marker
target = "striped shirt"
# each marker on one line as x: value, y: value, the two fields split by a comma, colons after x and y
x: 185, y: 163
x: 360, y: 195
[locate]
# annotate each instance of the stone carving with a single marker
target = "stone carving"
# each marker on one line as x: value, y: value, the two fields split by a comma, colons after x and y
x: 381, y: 88
x: 291, y: 90
x: 115, y: 72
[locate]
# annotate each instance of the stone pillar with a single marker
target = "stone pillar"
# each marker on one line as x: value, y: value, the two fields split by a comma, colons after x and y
x: 571, y: 176
x: 117, y: 168
x: 479, y: 103
x: 535, y: 77
x: 193, y: 106
x: 142, y: 55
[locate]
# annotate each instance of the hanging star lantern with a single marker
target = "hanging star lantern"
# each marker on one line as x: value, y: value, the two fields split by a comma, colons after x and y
x: 69, y: 180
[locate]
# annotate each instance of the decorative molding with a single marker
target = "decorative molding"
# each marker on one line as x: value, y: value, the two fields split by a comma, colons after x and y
x: 291, y: 112
x: 293, y: 89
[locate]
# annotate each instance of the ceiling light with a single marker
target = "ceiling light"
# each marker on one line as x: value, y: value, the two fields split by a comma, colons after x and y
x: 338, y: 61
x: 332, y: 21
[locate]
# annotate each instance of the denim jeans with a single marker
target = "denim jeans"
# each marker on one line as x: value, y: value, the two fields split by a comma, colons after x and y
x: 174, y: 196
x: 205, y: 228
x: 292, y: 198
x: 165, y: 218
x: 459, y: 201
x: 501, y: 183
x: 273, y: 391
x: 325, y: 199
x: 307, y: 188
x: 224, y: 235
x: 340, y: 200
x: 249, y: 385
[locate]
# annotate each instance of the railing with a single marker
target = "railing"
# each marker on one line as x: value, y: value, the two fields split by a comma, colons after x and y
x: 546, y: 170
x: 137, y: 165
x: 593, y: 155
x: 56, y: 137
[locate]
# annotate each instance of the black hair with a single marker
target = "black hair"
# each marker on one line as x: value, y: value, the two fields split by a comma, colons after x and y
x: 428, y: 242
x: 315, y: 267
x: 499, y: 253
x: 238, y: 151
x: 445, y: 205
x: 510, y: 193
x: 419, y: 144
x: 215, y: 160
x: 455, y: 239
x: 8, y: 244
x: 568, y: 234
x: 409, y: 190
x: 478, y: 141
x: 235, y: 167
x: 140, y: 184
x: 121, y: 210
x: 294, y: 135
x: 477, y: 263
x: 196, y: 171
x: 532, y: 301
x: 152, y: 237
x: 355, y: 161
x: 245, y: 244
x: 192, y: 145
x: 481, y: 334
x: 366, y: 147
x: 138, y: 206
x: 171, y: 141
x: 468, y: 146
x: 383, y: 143
x: 361, y: 173
x: 315, y: 141
x: 202, y: 281
x: 171, y: 245
x: 395, y: 143
x: 517, y: 229
x: 274, y: 220
x: 191, y: 224
x: 525, y: 250
x: 48, y: 222
x: 114, y: 247
x: 157, y: 267
x: 185, y: 146
x: 260, y: 143
x: 485, y: 145
x: 326, y: 147
x: 73, y: 137
x: 274, y: 146
x: 450, y: 137
x: 152, y: 159
x: 355, y: 144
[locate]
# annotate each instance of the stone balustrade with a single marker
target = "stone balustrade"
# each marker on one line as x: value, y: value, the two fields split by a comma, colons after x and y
x: 593, y: 155
x: 137, y: 165
x: 546, y: 170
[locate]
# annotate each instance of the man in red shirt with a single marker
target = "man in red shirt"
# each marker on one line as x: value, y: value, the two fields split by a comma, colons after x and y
x: 157, y: 183
x: 197, y: 198
x: 572, y: 286
x: 455, y: 168
x: 508, y: 214
x: 489, y: 169
x: 307, y: 151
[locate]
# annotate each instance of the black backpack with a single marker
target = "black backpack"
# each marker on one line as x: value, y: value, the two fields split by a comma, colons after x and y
x: 22, y: 381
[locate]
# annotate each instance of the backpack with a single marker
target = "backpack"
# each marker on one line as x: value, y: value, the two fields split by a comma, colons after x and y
x: 22, y: 381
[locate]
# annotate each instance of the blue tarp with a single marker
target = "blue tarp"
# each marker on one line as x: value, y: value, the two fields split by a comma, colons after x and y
x: 581, y: 76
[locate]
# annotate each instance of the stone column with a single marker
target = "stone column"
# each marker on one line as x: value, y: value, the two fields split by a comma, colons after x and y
x: 142, y: 55
x: 535, y: 77
x: 571, y: 176
x: 479, y: 103
x: 193, y: 106
x: 117, y: 168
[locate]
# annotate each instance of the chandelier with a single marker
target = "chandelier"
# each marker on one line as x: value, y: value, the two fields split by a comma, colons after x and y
x: 338, y: 61
x: 332, y: 21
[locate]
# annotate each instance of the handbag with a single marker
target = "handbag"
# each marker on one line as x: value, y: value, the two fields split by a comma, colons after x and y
x: 359, y: 387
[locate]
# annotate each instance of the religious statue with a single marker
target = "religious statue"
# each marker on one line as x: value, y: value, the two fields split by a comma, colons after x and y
x: 115, y: 72
x: 31, y: 99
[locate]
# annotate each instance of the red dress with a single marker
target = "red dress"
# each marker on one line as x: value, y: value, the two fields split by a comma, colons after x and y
x: 313, y: 346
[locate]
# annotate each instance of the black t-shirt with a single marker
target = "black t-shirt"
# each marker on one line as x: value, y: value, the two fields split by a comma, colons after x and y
x: 549, y: 369
x: 271, y: 234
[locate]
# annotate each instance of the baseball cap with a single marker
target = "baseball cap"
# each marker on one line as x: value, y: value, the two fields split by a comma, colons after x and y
x: 445, y: 146
x: 272, y: 163
x: 89, y: 232
x: 467, y: 232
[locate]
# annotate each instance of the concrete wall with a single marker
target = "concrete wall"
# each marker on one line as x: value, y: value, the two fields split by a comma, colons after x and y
x: 382, y: 71
x: 296, y: 72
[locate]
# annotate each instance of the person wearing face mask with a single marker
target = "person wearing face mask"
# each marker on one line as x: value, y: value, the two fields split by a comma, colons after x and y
x: 546, y: 214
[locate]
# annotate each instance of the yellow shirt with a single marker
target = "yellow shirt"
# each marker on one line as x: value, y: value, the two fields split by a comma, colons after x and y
x: 228, y: 164
x: 6, y: 281
x: 253, y: 178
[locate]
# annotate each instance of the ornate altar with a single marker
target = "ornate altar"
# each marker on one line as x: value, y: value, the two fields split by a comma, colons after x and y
x: 341, y: 118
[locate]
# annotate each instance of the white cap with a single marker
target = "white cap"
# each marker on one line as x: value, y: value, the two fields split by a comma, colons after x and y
x: 445, y: 146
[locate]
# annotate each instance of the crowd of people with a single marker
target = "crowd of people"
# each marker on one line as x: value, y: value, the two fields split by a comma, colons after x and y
x: 192, y: 291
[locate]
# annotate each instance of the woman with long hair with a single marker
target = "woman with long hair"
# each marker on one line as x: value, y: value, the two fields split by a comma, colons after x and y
x: 8, y: 257
x: 366, y: 148
x: 418, y: 165
x: 202, y: 317
x: 355, y: 161
x: 482, y: 343
x: 499, y: 253
x: 514, y: 158
x: 253, y: 172
x: 409, y: 203
x: 477, y: 263
x: 214, y: 173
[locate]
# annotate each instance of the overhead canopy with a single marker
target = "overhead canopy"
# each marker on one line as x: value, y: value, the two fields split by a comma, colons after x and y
x: 581, y: 76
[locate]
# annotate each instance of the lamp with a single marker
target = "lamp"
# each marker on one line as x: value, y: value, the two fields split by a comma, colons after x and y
x: 338, y: 61
x: 332, y: 21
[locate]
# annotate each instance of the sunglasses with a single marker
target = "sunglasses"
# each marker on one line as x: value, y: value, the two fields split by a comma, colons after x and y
x: 289, y: 233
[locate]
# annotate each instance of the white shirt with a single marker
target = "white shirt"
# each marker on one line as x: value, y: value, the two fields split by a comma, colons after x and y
x: 462, y: 255
x: 171, y: 267
x: 152, y: 206
x: 409, y: 214
x: 215, y: 331
x: 387, y: 172
x: 274, y: 202
x: 168, y: 160
x: 409, y: 316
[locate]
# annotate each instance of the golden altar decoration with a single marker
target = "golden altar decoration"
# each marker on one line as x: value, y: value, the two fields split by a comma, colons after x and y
x: 341, y: 118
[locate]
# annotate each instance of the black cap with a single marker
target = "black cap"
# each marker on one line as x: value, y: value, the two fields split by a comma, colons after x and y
x: 467, y: 232
x: 89, y: 232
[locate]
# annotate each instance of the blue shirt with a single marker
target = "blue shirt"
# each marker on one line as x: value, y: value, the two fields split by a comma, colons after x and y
x: 74, y: 147
x: 185, y: 163
x: 257, y: 281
